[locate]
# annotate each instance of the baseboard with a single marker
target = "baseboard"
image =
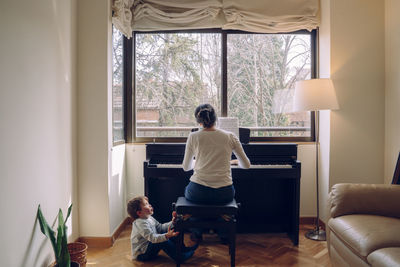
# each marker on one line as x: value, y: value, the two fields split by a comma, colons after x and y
x: 312, y: 220
x: 107, y: 241
x: 121, y: 228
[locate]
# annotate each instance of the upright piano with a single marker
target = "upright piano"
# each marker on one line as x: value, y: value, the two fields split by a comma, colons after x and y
x: 269, y: 192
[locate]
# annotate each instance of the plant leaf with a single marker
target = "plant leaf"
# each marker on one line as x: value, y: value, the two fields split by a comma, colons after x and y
x: 64, y: 259
x: 60, y: 244
x: 60, y: 233
x: 68, y: 213
x: 46, y: 229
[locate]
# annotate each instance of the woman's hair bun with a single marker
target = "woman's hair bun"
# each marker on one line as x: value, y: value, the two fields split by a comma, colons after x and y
x: 205, y: 114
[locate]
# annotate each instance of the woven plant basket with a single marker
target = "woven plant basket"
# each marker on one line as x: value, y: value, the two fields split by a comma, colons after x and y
x: 78, y: 251
x: 73, y: 264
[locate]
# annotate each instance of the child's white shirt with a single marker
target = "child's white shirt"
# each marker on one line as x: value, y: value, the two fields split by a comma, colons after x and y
x: 145, y: 231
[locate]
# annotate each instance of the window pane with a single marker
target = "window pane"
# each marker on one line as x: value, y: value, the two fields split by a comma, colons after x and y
x: 262, y: 70
x: 175, y: 72
x: 117, y: 89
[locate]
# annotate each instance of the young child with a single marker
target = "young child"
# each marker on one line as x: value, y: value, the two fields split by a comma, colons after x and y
x: 149, y: 236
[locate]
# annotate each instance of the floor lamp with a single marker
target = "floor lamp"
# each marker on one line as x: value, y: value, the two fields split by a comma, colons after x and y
x: 315, y: 95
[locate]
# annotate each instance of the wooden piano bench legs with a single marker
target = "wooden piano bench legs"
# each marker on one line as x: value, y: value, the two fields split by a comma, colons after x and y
x: 206, y: 216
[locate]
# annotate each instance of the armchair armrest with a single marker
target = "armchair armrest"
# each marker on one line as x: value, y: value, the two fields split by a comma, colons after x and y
x: 374, y: 199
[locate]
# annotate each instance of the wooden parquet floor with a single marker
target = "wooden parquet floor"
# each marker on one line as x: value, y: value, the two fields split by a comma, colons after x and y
x: 252, y: 250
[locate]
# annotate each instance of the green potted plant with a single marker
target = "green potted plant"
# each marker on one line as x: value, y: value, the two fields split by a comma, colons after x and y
x: 59, y: 241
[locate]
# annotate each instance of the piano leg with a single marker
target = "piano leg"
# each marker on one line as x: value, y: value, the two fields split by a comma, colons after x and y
x: 293, y: 232
x: 232, y: 241
x: 179, y: 243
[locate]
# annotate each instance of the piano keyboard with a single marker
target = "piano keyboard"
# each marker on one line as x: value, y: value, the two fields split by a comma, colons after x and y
x: 266, y: 166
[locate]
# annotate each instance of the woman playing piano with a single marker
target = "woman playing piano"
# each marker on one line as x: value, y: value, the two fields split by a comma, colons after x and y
x: 208, y: 152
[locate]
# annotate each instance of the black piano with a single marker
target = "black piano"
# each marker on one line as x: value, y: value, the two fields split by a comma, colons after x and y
x: 269, y: 192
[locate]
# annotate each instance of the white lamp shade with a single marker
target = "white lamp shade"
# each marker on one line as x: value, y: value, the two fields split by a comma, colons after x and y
x: 314, y: 94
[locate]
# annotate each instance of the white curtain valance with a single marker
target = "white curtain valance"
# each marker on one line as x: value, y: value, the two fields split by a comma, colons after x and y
x: 271, y: 16
x: 267, y: 16
x: 122, y: 16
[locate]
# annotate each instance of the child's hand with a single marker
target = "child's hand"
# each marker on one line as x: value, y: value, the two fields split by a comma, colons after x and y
x: 174, y: 217
x: 234, y: 162
x: 171, y: 233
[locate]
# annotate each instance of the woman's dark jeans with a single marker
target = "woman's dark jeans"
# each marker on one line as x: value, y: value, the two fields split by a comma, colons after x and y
x: 207, y: 195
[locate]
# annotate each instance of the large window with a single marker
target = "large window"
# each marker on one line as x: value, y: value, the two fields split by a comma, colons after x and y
x: 244, y: 75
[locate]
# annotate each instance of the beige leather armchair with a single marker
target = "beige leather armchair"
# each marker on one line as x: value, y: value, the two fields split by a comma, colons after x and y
x: 364, y: 228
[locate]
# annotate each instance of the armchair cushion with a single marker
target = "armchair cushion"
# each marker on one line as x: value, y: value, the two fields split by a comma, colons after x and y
x: 366, y: 233
x: 385, y: 257
x: 372, y: 199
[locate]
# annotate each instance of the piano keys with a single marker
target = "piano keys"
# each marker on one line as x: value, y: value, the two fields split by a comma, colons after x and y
x: 269, y: 192
x: 270, y: 166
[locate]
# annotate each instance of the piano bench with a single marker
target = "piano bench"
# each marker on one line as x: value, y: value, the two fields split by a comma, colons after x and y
x: 206, y: 217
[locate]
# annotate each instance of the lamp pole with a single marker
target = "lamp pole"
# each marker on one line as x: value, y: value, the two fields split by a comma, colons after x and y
x: 316, y: 95
x: 317, y: 233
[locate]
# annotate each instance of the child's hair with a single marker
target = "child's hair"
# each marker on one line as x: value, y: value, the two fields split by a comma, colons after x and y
x: 205, y: 114
x: 135, y: 205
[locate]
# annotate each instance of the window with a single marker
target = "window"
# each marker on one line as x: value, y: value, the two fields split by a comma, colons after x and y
x: 245, y: 75
x: 175, y: 72
x: 117, y: 88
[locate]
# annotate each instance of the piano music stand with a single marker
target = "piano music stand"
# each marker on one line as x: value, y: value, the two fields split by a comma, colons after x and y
x: 244, y: 135
x: 396, y: 174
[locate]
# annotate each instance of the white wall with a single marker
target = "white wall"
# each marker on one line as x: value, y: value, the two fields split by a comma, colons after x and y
x: 136, y: 154
x: 306, y: 155
x: 352, y: 49
x: 325, y: 115
x: 93, y: 161
x: 93, y: 146
x: 392, y: 97
x: 101, y: 171
x: 117, y: 188
x: 357, y: 69
x: 37, y: 125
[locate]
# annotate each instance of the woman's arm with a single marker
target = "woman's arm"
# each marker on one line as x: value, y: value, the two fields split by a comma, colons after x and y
x: 188, y: 162
x: 244, y: 161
